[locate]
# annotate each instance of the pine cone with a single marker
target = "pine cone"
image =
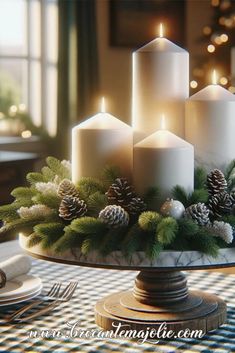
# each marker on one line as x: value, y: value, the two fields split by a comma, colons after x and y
x: 67, y: 188
x: 114, y: 216
x: 220, y: 204
x: 136, y: 206
x: 120, y: 193
x: 199, y: 213
x: 216, y: 182
x: 72, y: 207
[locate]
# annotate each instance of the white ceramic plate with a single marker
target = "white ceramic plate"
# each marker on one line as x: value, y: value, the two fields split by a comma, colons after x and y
x: 20, y: 300
x: 19, y: 287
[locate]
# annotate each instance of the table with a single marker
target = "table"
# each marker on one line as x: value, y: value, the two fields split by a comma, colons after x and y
x: 93, y: 284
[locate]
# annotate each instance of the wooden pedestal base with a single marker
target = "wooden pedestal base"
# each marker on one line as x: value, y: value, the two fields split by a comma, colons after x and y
x: 161, y: 297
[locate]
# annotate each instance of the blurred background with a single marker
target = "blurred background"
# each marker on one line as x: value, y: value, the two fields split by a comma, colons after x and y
x: 58, y: 57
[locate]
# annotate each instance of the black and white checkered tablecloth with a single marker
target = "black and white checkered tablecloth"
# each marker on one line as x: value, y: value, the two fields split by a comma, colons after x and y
x: 93, y: 285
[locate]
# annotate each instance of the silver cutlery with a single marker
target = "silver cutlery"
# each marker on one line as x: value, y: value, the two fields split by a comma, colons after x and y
x: 52, y: 294
x: 65, y: 296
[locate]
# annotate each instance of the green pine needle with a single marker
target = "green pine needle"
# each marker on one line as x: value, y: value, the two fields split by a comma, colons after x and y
x: 48, y: 174
x: 88, y: 225
x: 187, y: 227
x: 110, y: 174
x: 17, y: 226
x: 34, y: 239
x: 51, y: 200
x: 132, y: 241
x: 152, y: 197
x: 88, y: 186
x: 34, y: 178
x: 23, y: 193
x: 199, y: 195
x: 153, y: 249
x: 58, y: 168
x: 180, y: 194
x: 230, y: 170
x: 205, y: 243
x: 96, y: 202
x: 200, y: 176
x: 49, y: 232
x: 70, y: 240
x: 149, y: 220
x: 167, y: 230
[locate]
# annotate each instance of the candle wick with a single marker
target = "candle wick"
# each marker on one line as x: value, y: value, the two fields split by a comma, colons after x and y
x: 161, y: 30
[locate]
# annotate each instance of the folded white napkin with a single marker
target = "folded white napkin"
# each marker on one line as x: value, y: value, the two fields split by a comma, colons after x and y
x: 16, y: 266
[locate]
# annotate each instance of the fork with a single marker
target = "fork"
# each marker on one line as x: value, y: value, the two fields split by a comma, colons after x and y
x: 64, y: 297
x: 52, y: 294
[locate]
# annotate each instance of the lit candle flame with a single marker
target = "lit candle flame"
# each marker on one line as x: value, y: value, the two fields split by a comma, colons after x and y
x: 214, y: 77
x: 161, y: 31
x: 102, y: 105
x: 163, y: 122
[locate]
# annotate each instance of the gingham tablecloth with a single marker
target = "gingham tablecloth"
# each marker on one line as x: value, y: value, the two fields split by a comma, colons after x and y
x: 93, y: 285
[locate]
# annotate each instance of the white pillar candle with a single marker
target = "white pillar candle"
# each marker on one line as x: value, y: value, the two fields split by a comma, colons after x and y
x: 163, y: 160
x: 100, y: 141
x: 160, y: 84
x: 210, y: 126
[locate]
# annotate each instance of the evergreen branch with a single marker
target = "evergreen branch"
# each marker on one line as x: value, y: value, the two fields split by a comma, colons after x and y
x: 19, y: 225
x: 34, y: 239
x: 110, y: 174
x: 87, y: 186
x: 200, y: 176
x: 112, y: 240
x: 132, y: 241
x: 68, y: 241
x: 51, y: 200
x: 151, y: 197
x: 230, y: 171
x: 153, y: 249
x: 34, y: 178
x: 58, y: 168
x: 96, y: 202
x: 88, y: 226
x: 149, y: 220
x: 167, y: 230
x: 23, y: 193
x: 199, y: 195
x: 181, y: 195
x: 205, y: 243
x: 48, y: 174
x: 187, y: 227
x: 49, y: 232
x: 9, y: 212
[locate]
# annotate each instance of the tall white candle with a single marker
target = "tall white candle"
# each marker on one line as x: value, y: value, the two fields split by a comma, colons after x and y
x: 160, y: 84
x: 100, y: 141
x: 210, y: 126
x: 163, y: 160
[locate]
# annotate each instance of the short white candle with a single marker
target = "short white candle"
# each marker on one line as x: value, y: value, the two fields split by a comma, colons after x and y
x: 163, y: 160
x: 160, y: 84
x: 100, y: 141
x: 210, y: 126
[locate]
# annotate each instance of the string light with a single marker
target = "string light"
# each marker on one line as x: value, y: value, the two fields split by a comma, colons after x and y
x: 224, y: 37
x: 211, y: 48
x: 193, y: 84
x: 215, y: 2
x: 26, y: 134
x: 231, y: 89
x: 218, y: 40
x: 207, y: 30
x: 223, y: 81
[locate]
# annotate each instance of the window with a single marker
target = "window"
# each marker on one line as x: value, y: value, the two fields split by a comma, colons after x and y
x: 28, y: 58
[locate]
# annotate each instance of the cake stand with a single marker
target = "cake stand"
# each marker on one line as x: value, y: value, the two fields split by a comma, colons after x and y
x: 160, y: 294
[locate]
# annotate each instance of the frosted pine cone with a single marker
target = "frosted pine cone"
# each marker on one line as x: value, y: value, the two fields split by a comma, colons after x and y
x: 216, y: 182
x: 72, y: 207
x: 199, y: 213
x: 120, y: 193
x: 35, y: 211
x: 67, y: 188
x: 114, y: 216
x: 136, y: 206
x: 220, y: 204
x: 222, y: 230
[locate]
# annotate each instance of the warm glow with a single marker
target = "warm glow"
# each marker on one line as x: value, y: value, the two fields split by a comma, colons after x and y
x: 232, y: 89
x: 193, y: 84
x: 26, y: 134
x: 218, y: 40
x: 214, y: 77
x: 211, y: 48
x: 163, y: 122
x: 102, y: 105
x: 161, y: 31
x: 22, y: 107
x: 207, y: 30
x: 215, y: 3
x: 223, y: 81
x: 224, y: 37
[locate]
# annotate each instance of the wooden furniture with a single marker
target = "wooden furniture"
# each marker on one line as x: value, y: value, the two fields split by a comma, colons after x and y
x: 13, y: 168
